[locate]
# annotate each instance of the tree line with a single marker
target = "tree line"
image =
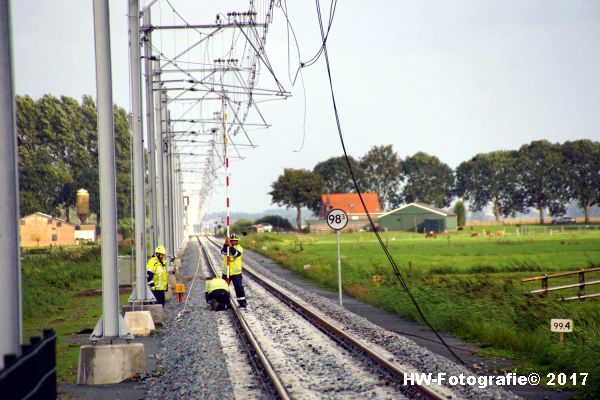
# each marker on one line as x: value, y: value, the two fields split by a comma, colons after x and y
x: 540, y: 175
x: 58, y: 154
x: 279, y: 224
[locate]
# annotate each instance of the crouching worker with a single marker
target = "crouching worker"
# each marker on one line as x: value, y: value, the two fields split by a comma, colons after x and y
x: 217, y: 294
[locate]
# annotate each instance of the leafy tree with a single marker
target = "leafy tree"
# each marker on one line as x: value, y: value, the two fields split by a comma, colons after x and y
x: 459, y: 210
x: 241, y: 225
x: 37, y: 190
x: 42, y: 170
x: 76, y: 152
x: 544, y: 182
x: 278, y: 222
x: 89, y: 178
x: 428, y: 180
x: 582, y: 171
x: 123, y: 162
x: 26, y: 114
x: 58, y: 154
x: 26, y: 111
x: 336, y: 174
x: 54, y: 124
x: 381, y: 172
x: 298, y: 188
x: 491, y: 178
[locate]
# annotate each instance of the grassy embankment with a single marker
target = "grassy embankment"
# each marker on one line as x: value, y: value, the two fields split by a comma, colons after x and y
x: 469, y: 286
x: 61, y: 291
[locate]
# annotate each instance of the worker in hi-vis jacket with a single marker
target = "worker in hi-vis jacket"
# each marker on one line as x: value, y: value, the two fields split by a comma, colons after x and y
x: 217, y: 294
x: 232, y: 269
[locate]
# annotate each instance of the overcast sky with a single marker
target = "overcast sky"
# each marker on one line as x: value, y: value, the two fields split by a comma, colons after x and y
x: 452, y: 79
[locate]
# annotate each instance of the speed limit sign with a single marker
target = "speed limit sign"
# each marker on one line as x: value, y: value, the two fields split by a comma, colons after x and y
x: 337, y: 219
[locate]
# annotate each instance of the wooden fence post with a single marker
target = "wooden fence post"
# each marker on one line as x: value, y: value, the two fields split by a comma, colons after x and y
x: 545, y: 284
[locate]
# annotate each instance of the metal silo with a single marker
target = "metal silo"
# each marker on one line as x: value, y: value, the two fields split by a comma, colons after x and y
x: 83, y: 204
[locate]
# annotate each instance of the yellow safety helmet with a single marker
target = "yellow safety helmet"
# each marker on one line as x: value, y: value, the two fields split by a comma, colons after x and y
x: 160, y: 250
x: 233, y: 236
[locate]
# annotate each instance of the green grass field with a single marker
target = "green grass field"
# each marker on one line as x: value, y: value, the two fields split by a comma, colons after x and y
x: 468, y: 286
x: 60, y: 291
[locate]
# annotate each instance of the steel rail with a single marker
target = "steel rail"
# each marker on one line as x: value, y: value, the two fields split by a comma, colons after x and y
x: 267, y: 369
x: 340, y: 335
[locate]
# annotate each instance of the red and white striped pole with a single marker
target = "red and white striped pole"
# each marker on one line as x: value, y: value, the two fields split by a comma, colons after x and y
x: 224, y: 111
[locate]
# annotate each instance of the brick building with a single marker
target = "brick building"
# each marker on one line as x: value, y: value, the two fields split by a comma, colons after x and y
x: 43, y: 230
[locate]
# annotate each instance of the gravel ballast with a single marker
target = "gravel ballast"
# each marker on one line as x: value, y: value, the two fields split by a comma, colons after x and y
x: 201, y: 359
x: 191, y: 363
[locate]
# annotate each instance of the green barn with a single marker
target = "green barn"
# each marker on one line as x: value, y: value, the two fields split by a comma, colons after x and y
x: 416, y: 217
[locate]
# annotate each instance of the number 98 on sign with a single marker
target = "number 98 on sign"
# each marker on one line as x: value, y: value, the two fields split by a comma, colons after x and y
x: 337, y: 219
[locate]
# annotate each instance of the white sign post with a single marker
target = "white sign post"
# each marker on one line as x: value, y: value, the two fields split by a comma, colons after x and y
x: 561, y: 326
x: 337, y: 219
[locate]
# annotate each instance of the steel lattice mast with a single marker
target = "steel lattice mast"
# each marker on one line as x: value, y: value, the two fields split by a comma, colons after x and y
x: 196, y: 85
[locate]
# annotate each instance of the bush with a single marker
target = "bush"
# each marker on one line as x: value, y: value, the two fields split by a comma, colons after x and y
x: 241, y: 225
x: 279, y: 223
x: 126, y: 227
x: 459, y: 210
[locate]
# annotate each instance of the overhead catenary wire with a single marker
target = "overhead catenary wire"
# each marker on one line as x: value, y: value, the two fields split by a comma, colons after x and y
x: 289, y: 27
x: 205, y: 64
x: 230, y: 53
x: 315, y: 58
x: 391, y: 260
x: 260, y: 55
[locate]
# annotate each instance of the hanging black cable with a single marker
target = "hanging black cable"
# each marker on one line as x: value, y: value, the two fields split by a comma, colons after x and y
x: 383, y: 246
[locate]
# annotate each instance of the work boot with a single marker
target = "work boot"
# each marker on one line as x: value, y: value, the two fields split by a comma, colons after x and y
x: 213, y: 305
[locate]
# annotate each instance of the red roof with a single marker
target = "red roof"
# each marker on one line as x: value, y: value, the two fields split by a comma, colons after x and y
x: 350, y: 202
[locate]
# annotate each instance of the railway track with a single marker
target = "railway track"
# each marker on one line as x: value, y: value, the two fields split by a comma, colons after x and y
x: 268, y: 377
x: 305, y: 354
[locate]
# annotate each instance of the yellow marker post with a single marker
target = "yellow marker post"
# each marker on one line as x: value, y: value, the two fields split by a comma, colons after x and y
x: 179, y: 291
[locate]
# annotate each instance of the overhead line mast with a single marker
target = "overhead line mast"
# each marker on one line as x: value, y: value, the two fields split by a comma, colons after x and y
x: 227, y: 205
x: 199, y: 74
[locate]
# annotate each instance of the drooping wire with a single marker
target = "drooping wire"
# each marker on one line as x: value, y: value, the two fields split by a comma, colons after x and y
x: 290, y: 27
x: 304, y: 116
x: 324, y: 36
x: 181, y: 17
x: 397, y: 271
